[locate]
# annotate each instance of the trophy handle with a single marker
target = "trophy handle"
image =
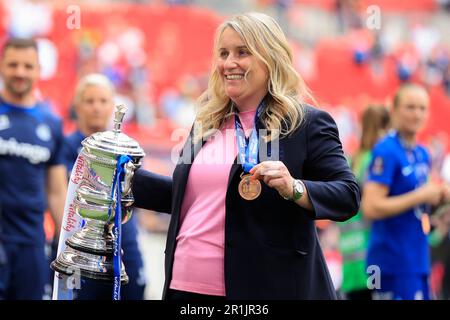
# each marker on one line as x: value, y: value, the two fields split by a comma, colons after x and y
x: 129, y: 169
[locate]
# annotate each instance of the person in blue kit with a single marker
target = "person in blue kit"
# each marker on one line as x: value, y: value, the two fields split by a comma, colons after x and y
x: 32, y: 172
x: 94, y: 106
x: 398, y: 196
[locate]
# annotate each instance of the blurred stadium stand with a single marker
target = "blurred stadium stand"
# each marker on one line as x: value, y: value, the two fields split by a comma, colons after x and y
x: 167, y: 48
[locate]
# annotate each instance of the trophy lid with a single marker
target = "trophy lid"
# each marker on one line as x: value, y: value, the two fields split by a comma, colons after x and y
x: 114, y: 141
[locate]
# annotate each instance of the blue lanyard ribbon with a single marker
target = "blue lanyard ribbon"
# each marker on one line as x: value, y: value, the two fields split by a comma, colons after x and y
x: 248, y: 152
x: 117, y: 229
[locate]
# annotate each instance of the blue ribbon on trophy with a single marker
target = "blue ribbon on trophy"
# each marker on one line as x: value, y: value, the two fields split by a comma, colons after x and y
x: 117, y: 229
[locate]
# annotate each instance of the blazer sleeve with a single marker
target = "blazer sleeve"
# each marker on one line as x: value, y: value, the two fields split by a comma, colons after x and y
x: 152, y: 191
x: 331, y: 185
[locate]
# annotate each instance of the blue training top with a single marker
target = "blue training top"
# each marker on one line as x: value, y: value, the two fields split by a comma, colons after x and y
x: 398, y: 244
x: 30, y: 142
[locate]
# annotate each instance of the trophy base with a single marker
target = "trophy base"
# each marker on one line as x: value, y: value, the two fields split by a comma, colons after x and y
x: 71, y: 261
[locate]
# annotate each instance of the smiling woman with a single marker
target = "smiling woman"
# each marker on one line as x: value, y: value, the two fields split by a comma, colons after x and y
x: 242, y: 223
x: 252, y: 58
x: 244, y: 75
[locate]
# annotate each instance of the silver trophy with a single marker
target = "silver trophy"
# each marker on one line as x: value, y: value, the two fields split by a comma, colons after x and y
x: 89, y: 251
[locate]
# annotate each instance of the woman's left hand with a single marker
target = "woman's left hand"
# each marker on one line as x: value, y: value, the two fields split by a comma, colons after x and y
x: 275, y: 175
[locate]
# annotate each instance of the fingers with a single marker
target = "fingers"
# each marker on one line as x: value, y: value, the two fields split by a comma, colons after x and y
x: 255, y: 174
x: 276, y: 183
x: 272, y: 169
x: 267, y: 178
x: 274, y: 174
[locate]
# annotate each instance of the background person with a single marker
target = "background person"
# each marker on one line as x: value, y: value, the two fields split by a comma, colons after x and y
x: 398, y: 197
x: 354, y: 233
x: 34, y: 177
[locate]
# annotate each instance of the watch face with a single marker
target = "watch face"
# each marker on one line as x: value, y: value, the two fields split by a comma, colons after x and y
x: 299, y: 186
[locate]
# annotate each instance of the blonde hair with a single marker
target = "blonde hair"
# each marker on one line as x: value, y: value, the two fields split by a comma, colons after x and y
x: 93, y: 79
x: 265, y: 40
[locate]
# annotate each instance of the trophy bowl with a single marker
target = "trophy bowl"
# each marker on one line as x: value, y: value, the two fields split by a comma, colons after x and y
x: 90, y: 249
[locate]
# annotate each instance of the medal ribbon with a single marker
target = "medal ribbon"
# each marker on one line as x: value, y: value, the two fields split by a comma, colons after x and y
x: 248, y: 152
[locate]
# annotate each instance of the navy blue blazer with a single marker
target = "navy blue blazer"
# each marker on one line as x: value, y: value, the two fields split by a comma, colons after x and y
x: 271, y: 245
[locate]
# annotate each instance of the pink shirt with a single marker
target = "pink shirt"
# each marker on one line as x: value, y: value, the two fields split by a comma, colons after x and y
x: 199, y: 255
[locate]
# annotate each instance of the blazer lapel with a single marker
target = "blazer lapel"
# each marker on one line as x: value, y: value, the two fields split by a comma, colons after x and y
x: 235, y: 167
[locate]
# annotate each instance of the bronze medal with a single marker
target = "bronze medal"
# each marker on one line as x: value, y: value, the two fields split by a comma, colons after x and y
x: 249, y: 189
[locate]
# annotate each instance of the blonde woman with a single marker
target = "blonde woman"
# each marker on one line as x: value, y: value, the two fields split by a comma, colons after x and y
x: 258, y: 168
